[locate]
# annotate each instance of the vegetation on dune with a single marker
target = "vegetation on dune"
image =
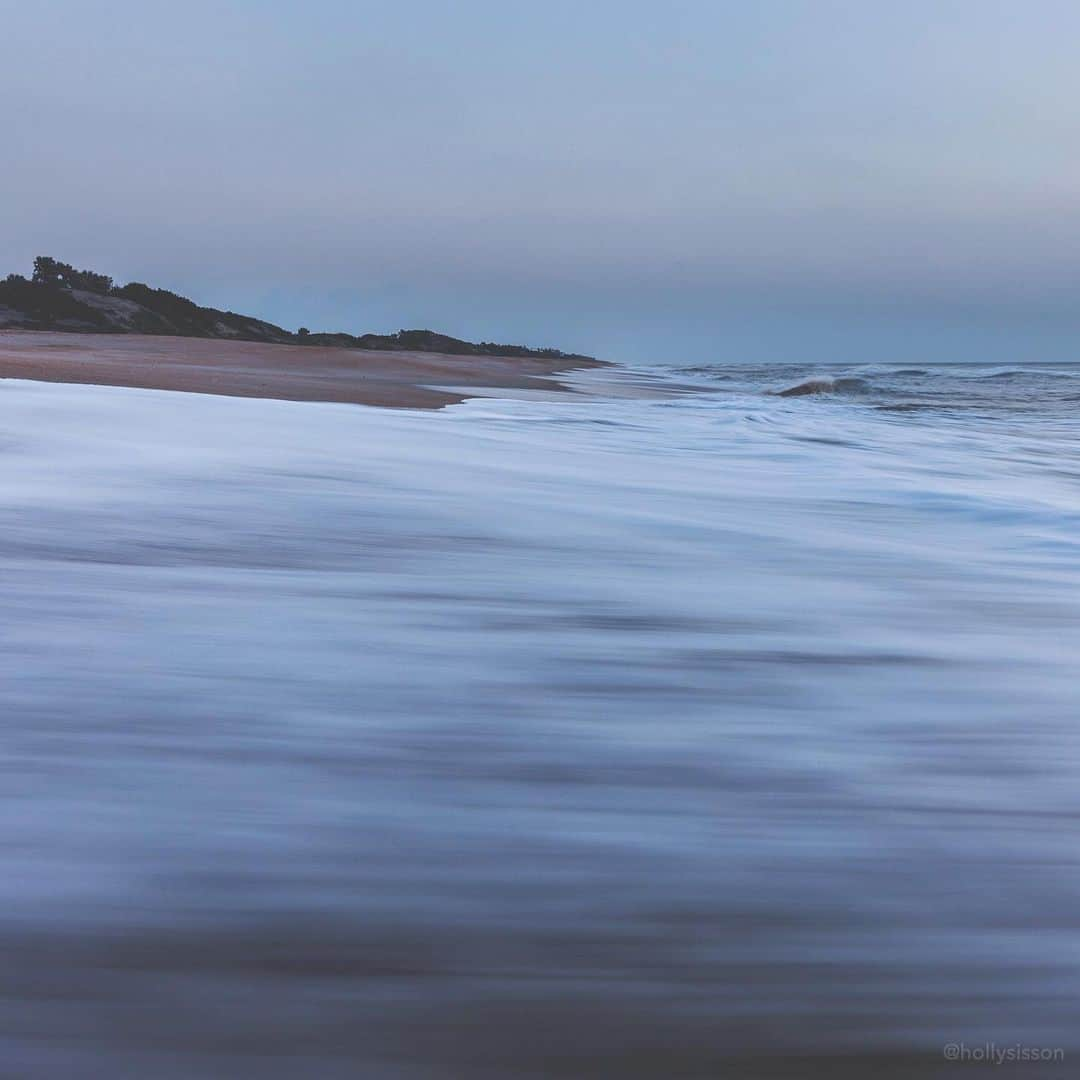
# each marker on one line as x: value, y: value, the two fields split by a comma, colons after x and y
x: 430, y: 341
x: 60, y: 297
x: 44, y: 306
x: 61, y: 275
x: 191, y: 320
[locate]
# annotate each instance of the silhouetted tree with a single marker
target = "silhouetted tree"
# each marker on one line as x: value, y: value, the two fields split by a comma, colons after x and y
x: 64, y: 276
x: 48, y: 271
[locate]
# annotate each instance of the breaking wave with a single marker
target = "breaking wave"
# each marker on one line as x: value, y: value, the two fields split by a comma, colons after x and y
x: 824, y: 385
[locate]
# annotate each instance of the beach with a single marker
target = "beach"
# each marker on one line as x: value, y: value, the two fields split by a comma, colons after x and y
x: 281, y: 372
x: 539, y: 542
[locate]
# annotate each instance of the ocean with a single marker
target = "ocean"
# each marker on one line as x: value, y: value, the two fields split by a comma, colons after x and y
x: 713, y: 720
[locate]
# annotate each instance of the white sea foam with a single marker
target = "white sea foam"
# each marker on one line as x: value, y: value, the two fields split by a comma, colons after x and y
x: 669, y: 722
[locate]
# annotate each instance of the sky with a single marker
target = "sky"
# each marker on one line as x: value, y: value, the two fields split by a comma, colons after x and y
x: 776, y: 180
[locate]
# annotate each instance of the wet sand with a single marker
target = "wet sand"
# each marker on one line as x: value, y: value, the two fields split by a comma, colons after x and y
x: 404, y: 380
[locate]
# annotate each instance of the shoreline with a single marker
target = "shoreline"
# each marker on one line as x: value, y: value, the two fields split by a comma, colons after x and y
x: 385, y: 379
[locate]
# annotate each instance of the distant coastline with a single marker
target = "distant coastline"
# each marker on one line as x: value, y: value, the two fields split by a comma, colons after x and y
x: 58, y: 297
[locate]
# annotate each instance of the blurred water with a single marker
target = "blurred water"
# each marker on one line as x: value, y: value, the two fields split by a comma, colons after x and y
x: 706, y: 733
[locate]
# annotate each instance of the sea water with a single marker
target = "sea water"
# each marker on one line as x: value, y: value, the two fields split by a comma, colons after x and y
x: 668, y: 728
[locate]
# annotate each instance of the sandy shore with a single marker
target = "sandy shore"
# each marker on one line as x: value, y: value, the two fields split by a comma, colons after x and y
x: 288, y: 372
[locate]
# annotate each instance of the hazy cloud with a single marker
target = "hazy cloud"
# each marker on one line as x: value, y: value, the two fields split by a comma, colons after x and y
x: 704, y: 176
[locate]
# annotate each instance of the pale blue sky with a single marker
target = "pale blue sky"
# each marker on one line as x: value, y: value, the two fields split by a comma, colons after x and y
x: 798, y: 179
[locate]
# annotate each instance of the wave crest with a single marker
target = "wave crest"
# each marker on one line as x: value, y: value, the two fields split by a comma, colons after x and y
x: 824, y: 385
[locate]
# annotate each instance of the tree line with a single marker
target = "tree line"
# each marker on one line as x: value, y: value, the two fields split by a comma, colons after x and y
x: 64, y: 276
x: 50, y: 298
